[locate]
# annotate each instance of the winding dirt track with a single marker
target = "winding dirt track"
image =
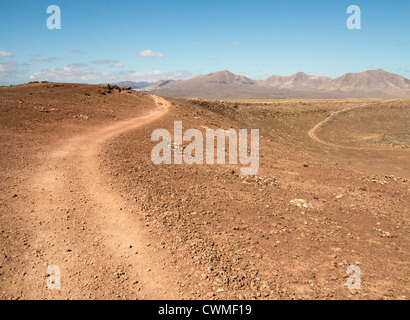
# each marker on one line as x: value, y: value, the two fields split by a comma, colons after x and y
x: 86, y: 229
x: 312, y: 132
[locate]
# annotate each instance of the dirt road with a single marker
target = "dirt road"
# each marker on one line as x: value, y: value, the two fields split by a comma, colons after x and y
x: 80, y: 225
x: 312, y: 132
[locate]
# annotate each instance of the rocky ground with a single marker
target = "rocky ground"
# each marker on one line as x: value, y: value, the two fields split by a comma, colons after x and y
x: 79, y: 190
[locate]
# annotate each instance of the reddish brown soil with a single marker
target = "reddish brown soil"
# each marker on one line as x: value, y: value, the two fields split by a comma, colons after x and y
x: 79, y: 190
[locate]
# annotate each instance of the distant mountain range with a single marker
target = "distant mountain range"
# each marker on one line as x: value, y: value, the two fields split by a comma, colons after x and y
x: 226, y: 85
x: 134, y: 85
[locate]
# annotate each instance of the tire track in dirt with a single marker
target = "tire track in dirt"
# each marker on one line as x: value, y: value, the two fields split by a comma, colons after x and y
x: 312, y: 132
x: 86, y: 229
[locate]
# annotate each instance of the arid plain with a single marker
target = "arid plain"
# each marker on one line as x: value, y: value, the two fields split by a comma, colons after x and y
x: 79, y: 191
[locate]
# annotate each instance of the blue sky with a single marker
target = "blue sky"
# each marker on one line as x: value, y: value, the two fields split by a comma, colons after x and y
x: 108, y: 41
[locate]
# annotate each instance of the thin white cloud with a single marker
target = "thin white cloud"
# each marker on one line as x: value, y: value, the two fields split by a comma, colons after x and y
x: 12, y: 69
x: 46, y: 60
x: 117, y: 64
x: 102, y: 61
x: 114, y: 63
x: 236, y: 43
x: 151, y: 54
x: 78, y: 72
x: 195, y: 43
x: 72, y: 72
x: 6, y: 54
